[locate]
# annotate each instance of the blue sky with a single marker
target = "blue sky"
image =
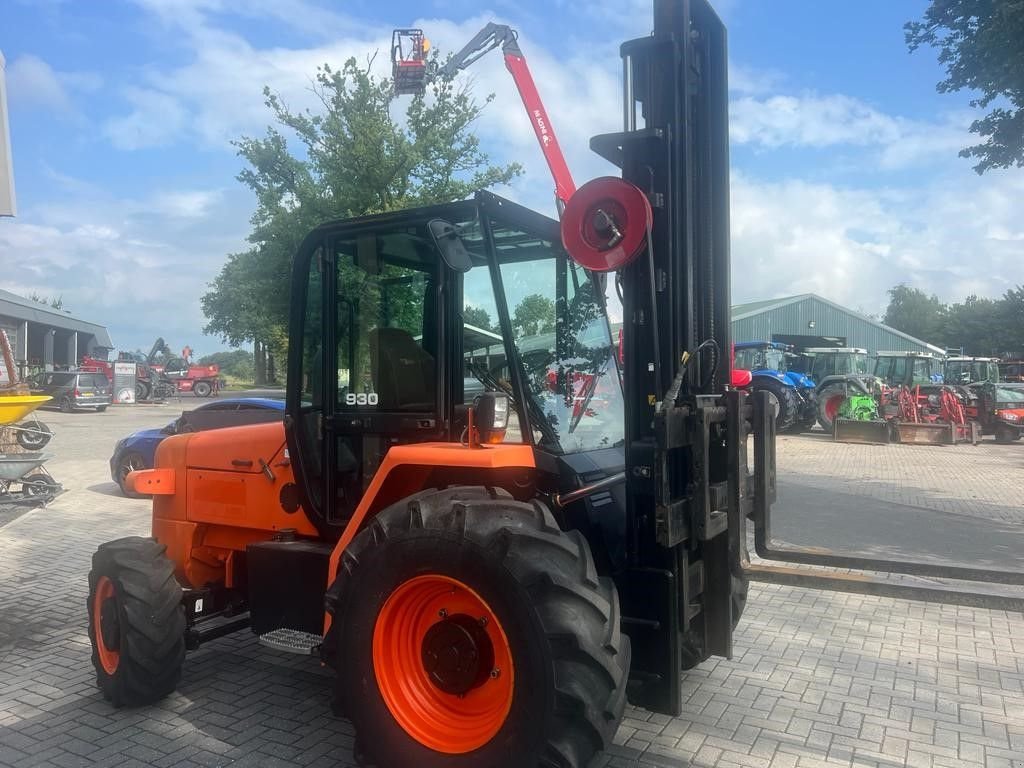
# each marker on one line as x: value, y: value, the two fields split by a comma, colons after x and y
x: 845, y: 174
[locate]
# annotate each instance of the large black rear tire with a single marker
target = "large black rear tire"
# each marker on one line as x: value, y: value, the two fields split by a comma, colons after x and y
x: 788, y: 405
x: 560, y: 619
x: 830, y: 400
x: 136, y: 621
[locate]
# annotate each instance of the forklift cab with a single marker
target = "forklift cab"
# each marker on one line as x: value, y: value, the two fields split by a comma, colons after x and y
x: 386, y: 356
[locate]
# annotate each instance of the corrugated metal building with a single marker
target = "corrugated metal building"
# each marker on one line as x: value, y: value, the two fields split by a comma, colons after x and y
x: 44, y: 337
x: 809, y: 320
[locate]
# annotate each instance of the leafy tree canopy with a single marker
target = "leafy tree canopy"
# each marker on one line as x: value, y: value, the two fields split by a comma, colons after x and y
x: 355, y: 156
x: 479, y: 317
x: 982, y: 327
x: 533, y: 315
x: 236, y: 362
x: 912, y: 311
x: 981, y: 45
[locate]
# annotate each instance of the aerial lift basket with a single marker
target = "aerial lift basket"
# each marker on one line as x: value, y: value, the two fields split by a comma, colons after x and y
x: 409, y: 50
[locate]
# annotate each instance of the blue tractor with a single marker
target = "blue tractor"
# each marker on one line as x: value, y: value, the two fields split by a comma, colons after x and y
x: 792, y: 393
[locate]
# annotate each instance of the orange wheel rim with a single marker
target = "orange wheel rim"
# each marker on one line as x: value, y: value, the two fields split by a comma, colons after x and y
x: 424, y: 641
x: 109, y: 657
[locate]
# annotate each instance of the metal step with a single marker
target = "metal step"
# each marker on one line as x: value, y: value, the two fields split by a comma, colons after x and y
x: 291, y: 641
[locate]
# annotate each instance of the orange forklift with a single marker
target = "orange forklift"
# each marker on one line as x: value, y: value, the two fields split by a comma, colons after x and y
x: 491, y: 582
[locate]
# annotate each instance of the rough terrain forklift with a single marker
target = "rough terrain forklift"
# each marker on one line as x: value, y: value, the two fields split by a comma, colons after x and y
x: 490, y: 582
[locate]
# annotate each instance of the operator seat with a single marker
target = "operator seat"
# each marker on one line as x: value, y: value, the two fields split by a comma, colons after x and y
x: 403, y: 372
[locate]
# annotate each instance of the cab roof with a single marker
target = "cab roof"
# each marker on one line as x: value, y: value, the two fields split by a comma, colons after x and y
x: 904, y: 353
x: 762, y: 345
x: 845, y: 350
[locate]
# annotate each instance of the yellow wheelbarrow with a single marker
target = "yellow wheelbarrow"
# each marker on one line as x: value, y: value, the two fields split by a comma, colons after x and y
x: 32, y: 434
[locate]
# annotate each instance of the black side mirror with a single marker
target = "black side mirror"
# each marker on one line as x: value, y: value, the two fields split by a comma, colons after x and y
x: 490, y: 416
x: 453, y: 251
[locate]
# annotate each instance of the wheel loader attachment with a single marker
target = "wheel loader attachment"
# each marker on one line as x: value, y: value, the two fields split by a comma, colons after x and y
x: 924, y: 432
x: 866, y: 432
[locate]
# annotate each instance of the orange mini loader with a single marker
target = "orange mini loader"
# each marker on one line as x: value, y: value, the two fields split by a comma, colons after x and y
x: 492, y: 581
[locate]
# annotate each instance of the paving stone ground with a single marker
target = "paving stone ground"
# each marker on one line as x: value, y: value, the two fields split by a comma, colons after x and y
x: 818, y: 678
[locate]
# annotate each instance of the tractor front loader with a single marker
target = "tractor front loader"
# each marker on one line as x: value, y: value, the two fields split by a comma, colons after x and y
x: 491, y: 582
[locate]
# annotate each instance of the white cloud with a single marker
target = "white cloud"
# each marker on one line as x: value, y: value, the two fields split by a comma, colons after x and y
x: 138, y: 266
x: 818, y: 121
x: 195, y: 204
x: 957, y: 236
x: 157, y: 119
x: 31, y: 82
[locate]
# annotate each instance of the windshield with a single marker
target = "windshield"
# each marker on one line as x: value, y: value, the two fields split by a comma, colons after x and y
x: 1004, y: 395
x: 760, y: 358
x: 854, y: 363
x: 967, y: 372
x: 563, y: 341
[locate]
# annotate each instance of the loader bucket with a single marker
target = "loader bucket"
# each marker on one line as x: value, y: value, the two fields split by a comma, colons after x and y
x: 968, y: 433
x: 869, y: 432
x: 925, y: 433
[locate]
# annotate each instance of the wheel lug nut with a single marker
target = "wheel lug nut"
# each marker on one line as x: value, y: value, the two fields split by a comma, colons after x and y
x: 495, y: 673
x: 483, y: 621
x: 443, y: 613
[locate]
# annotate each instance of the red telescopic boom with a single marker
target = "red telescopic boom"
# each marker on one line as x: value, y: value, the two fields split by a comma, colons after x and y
x: 406, y: 69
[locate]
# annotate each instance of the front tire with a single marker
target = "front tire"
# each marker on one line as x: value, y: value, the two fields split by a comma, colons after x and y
x: 141, y: 391
x: 65, y: 405
x: 136, y: 622
x: 202, y: 389
x: 1006, y: 435
x: 470, y: 574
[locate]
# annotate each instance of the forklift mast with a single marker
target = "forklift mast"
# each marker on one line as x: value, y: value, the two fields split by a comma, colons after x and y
x: 685, y: 452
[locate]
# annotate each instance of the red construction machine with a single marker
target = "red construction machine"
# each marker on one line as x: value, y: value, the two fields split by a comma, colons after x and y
x: 161, y: 373
x: 410, y: 74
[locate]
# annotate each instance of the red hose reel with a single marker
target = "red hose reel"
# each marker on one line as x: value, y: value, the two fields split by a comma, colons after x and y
x: 605, y: 224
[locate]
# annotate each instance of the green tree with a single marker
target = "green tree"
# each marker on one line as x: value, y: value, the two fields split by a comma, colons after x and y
x: 479, y: 317
x: 974, y: 325
x: 1011, y: 323
x: 533, y: 315
x: 912, y: 311
x: 356, y: 157
x: 981, y: 45
x: 237, y: 363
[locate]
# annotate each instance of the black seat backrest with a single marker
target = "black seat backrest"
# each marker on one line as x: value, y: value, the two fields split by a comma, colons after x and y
x: 403, y: 372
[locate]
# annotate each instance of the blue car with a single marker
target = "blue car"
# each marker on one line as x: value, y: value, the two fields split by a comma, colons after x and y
x: 137, y: 451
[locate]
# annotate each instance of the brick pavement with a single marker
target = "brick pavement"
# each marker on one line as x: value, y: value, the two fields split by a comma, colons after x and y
x: 818, y: 679
x: 979, y: 481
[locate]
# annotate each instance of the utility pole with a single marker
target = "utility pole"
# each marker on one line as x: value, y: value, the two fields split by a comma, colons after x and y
x: 7, y: 202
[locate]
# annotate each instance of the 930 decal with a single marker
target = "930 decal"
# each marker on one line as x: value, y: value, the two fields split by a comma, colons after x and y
x: 361, y: 398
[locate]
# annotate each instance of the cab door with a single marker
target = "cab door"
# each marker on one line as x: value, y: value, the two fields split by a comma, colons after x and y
x: 369, y: 361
